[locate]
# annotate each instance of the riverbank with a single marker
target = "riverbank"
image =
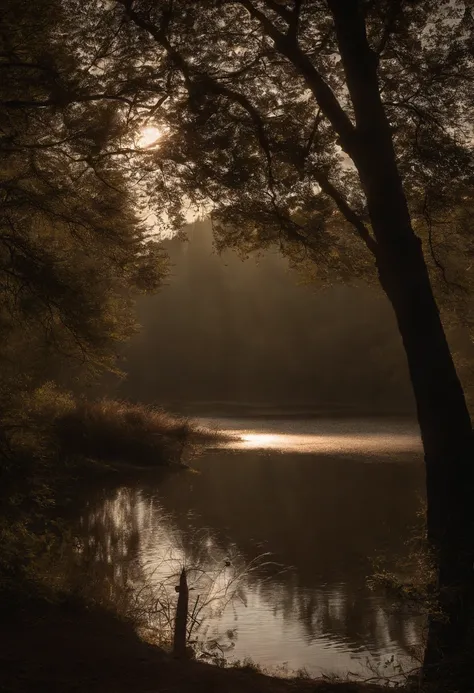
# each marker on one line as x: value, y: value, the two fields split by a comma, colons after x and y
x: 53, y: 445
x: 65, y: 647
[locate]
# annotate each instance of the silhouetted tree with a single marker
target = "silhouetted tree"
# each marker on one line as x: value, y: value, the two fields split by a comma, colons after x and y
x: 73, y: 248
x: 341, y: 128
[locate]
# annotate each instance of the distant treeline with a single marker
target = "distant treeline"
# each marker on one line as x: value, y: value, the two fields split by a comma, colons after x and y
x: 252, y: 332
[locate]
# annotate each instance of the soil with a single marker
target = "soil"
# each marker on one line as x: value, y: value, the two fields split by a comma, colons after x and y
x: 69, y: 648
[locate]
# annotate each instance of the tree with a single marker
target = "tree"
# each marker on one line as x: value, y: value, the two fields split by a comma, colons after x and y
x: 74, y: 251
x: 323, y: 124
x: 73, y: 248
x: 340, y: 127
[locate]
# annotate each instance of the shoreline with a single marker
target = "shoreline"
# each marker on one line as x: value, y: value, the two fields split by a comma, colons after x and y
x: 66, y: 646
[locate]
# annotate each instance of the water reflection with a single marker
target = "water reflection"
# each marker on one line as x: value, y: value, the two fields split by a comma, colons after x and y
x: 323, y: 517
x: 341, y: 436
x: 314, y: 444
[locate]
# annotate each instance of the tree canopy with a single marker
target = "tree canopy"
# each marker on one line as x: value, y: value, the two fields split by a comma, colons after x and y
x: 73, y: 243
x: 256, y: 121
x: 258, y: 125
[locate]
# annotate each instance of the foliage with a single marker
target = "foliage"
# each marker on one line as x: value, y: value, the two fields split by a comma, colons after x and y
x: 74, y: 250
x: 73, y: 247
x: 412, y: 585
x: 251, y: 101
x: 54, y: 426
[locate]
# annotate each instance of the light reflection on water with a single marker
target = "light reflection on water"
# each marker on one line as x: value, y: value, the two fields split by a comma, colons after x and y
x: 342, y: 436
x: 323, y: 515
x: 291, y: 442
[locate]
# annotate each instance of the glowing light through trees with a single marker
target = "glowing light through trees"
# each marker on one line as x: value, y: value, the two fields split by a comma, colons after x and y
x: 149, y: 136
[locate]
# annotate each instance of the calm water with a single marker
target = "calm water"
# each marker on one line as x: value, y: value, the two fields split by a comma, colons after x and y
x: 279, y: 531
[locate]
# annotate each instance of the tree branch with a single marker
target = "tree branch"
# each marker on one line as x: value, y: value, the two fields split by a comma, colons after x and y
x: 322, y: 92
x: 280, y: 10
x: 294, y: 21
x: 214, y: 87
x: 166, y: 17
x: 436, y: 260
x: 161, y: 38
x: 352, y: 217
x: 423, y: 115
x: 207, y: 82
x: 65, y: 101
x: 242, y: 70
x: 394, y: 12
x: 312, y: 134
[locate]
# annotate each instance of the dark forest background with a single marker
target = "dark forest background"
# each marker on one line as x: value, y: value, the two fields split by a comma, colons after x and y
x: 254, y: 332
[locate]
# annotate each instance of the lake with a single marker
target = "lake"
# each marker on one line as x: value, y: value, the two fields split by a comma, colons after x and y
x: 279, y: 530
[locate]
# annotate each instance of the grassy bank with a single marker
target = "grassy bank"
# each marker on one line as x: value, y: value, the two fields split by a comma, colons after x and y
x: 52, y: 424
x: 117, y: 432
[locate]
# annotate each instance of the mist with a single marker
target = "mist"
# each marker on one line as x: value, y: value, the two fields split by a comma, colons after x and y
x: 237, y: 334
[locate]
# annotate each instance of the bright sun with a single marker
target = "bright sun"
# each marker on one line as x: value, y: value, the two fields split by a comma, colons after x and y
x: 149, y: 136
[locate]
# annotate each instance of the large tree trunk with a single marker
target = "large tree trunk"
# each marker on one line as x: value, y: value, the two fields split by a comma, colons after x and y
x: 448, y: 446
x: 443, y: 416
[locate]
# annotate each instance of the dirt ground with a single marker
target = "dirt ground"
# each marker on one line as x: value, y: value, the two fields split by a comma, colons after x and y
x: 65, y: 648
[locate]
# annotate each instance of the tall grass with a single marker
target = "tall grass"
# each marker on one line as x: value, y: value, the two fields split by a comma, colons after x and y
x: 117, y: 431
x: 52, y: 424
